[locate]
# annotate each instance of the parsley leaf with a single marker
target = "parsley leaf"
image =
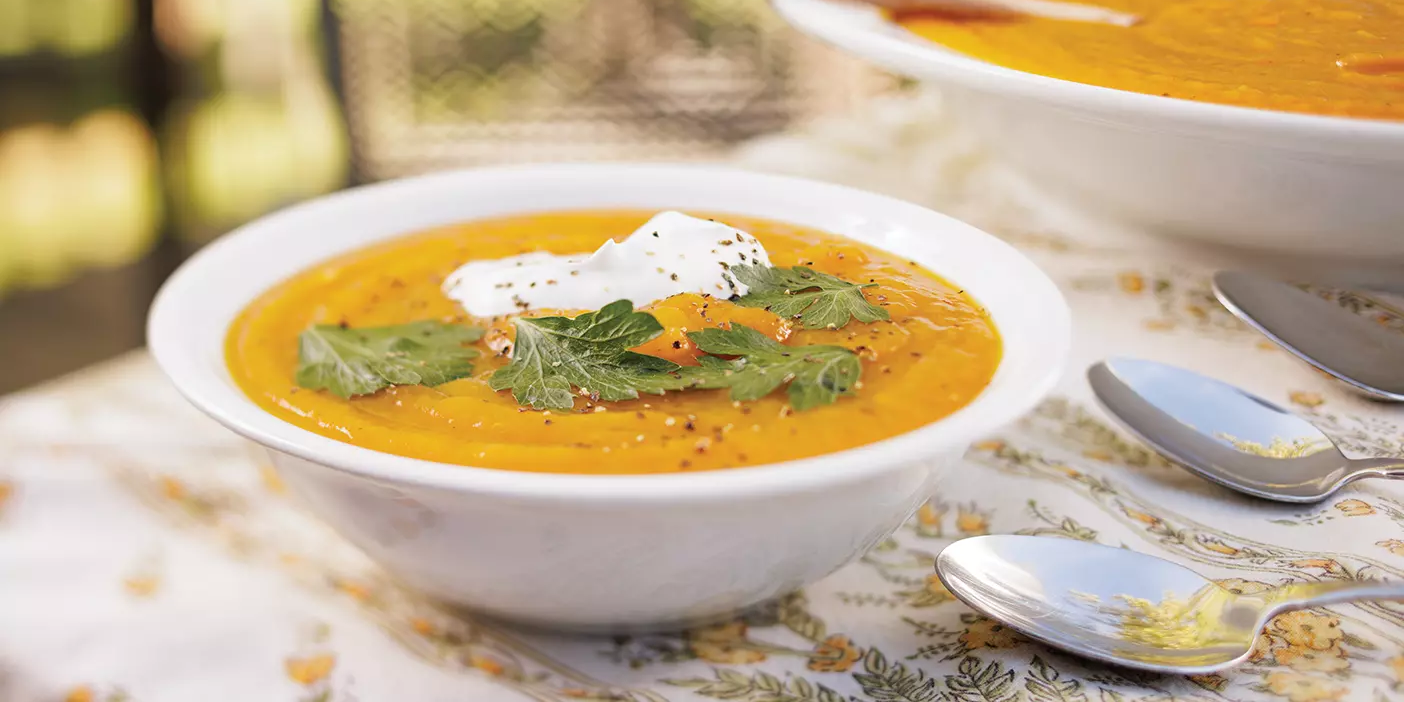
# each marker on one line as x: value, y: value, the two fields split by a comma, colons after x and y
x: 819, y: 299
x: 590, y: 352
x: 348, y: 362
x: 817, y: 375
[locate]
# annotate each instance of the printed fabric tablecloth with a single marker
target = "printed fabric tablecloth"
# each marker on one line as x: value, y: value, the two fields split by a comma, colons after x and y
x: 147, y: 555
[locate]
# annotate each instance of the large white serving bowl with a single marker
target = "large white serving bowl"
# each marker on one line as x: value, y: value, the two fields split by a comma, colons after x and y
x: 607, y: 552
x: 1254, y: 179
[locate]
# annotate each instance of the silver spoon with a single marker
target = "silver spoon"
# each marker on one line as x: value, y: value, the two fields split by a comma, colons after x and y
x: 1345, y: 345
x: 1123, y: 607
x: 1235, y: 439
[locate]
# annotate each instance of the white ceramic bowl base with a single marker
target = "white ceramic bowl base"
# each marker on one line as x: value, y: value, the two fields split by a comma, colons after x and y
x: 559, y: 564
x: 1272, y: 181
x: 607, y: 552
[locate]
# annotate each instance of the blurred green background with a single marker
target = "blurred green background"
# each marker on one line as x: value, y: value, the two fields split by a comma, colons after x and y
x: 134, y: 131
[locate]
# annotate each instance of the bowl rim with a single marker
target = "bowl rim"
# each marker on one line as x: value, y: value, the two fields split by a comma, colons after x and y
x: 862, y: 29
x: 205, y: 384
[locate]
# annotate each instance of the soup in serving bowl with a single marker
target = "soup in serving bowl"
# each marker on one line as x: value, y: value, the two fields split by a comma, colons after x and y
x: 1247, y: 165
x: 1325, y: 57
x: 932, y: 350
x: 622, y: 482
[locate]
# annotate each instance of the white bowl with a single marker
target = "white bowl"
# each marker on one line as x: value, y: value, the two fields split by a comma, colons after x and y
x: 1247, y: 178
x: 607, y: 552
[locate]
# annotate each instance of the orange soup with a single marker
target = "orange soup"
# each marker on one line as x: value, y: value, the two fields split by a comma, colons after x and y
x: 936, y: 350
x: 1329, y: 57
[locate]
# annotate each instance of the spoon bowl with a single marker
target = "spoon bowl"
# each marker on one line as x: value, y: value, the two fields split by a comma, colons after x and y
x: 1227, y: 435
x: 1350, y: 348
x: 1122, y: 607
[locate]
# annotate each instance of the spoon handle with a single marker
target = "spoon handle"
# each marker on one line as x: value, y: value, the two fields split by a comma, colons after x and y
x: 1306, y: 595
x: 1376, y: 468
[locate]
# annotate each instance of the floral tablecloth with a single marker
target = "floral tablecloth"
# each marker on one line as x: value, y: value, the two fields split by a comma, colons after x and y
x: 148, y: 555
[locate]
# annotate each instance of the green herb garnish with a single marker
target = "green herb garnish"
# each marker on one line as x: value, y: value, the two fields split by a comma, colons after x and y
x: 590, y: 352
x: 817, y: 375
x: 349, y: 362
x: 819, y: 299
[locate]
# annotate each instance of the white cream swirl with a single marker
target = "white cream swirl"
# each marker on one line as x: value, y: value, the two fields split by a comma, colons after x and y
x: 672, y: 253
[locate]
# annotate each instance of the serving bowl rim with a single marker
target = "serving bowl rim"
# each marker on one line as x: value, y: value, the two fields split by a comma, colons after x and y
x: 863, y: 30
x: 205, y: 382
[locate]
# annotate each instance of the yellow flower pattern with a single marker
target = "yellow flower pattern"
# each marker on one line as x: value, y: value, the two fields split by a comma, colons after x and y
x: 1296, y: 687
x: 1396, y: 664
x: 988, y: 633
x: 1131, y: 282
x: 1327, y: 565
x: 423, y: 626
x: 354, y: 590
x: 487, y: 665
x: 7, y: 492
x: 142, y: 585
x: 970, y: 521
x: 310, y: 670
x: 1307, y: 629
x: 272, y: 482
x: 724, y: 644
x: 1210, y: 681
x: 1355, y: 508
x: 1142, y: 517
x: 1310, y: 400
x: 144, y: 580
x: 835, y: 654
x: 1099, y: 454
x: 1394, y: 546
x: 1243, y: 587
x: 929, y: 519
x: 930, y: 594
x: 1305, y: 659
x: 1219, y: 547
x: 86, y: 693
x: 172, y: 488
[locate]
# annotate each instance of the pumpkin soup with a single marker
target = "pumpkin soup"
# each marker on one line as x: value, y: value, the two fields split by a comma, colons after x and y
x: 457, y: 345
x: 1328, y: 57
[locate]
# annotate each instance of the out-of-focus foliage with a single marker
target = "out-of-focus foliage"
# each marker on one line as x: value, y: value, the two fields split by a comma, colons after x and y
x: 76, y: 195
x: 66, y: 27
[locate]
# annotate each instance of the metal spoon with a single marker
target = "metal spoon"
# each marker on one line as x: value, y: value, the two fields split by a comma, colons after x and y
x: 1345, y: 345
x: 1123, y: 607
x: 1224, y: 434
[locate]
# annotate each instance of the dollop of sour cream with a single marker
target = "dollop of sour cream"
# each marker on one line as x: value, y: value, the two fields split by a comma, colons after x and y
x: 672, y: 253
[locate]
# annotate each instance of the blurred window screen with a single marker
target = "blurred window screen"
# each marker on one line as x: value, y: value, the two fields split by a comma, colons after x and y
x: 433, y: 84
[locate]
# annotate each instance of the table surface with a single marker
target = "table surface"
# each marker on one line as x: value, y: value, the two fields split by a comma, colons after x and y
x: 146, y: 554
